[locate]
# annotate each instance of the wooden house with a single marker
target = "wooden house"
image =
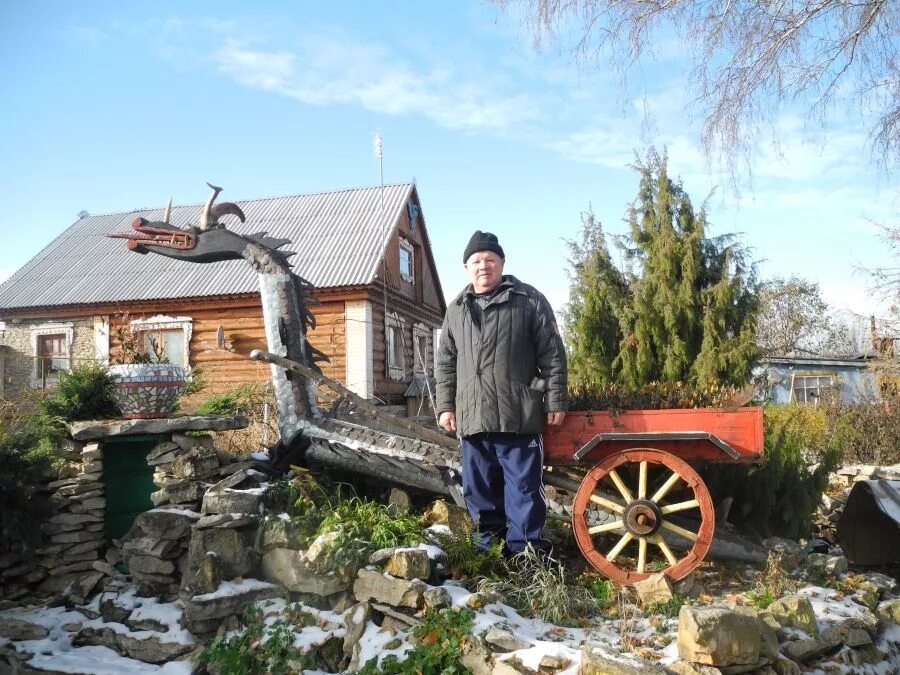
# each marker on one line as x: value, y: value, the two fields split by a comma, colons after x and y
x: 365, y: 249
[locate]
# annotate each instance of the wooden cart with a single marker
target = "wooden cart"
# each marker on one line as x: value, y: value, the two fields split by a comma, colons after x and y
x: 641, y: 493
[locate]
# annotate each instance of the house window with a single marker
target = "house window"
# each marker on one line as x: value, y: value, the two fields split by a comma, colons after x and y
x: 406, y: 261
x: 53, y: 356
x: 813, y: 389
x: 52, y: 349
x: 165, y: 345
x: 393, y: 327
x: 170, y: 334
x: 421, y: 361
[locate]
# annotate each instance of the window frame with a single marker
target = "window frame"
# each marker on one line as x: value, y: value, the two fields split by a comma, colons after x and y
x: 407, y: 247
x: 802, y: 383
x: 395, y: 352
x: 421, y: 333
x: 162, y: 323
x: 64, y: 330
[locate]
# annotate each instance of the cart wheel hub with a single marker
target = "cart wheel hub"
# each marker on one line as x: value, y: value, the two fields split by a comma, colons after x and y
x: 642, y: 517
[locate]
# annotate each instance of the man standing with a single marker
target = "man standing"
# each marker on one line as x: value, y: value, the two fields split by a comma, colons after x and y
x: 501, y: 373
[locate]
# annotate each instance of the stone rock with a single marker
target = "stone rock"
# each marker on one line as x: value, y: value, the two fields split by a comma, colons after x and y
x: 236, y: 478
x: 234, y: 555
x: 826, y: 564
x: 653, y: 589
x: 66, y: 569
x: 148, y: 565
x: 409, y: 563
x: 889, y: 611
x: 224, y: 520
x: 881, y: 582
x: 206, y: 578
x: 161, y: 449
x: 183, y: 492
x: 373, y: 585
x: 511, y: 666
x: 355, y: 622
x: 82, y: 588
x: 806, y: 649
x: 225, y: 602
x: 94, y: 430
x: 319, y: 553
x: 867, y: 597
x: 442, y: 513
x: 437, y: 598
x: 476, y: 656
x: 278, y: 533
x: 400, y: 500
x: 189, y: 442
x: 596, y: 661
x: 149, y: 649
x: 199, y: 462
x: 768, y: 636
x: 18, y: 629
x: 112, y: 611
x: 106, y: 569
x: 863, y: 618
x: 73, y: 519
x: 718, y: 636
x: 232, y: 501
x: 290, y: 569
x: 784, y: 666
x: 165, y: 523
x: 795, y: 611
x: 504, y: 641
x: 857, y: 637
x: 688, y: 668
x: 151, y: 546
x: 164, y: 459
x: 75, y: 537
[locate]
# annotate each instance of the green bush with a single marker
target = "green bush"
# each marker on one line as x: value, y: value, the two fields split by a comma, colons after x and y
x: 258, y: 649
x: 778, y: 496
x: 867, y: 433
x: 364, y: 527
x: 438, y: 646
x: 466, y: 560
x: 84, y: 393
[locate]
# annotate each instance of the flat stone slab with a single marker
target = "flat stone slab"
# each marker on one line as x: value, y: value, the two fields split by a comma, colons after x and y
x: 96, y: 429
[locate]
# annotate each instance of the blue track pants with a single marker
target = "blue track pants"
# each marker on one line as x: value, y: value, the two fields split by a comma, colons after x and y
x: 504, y: 491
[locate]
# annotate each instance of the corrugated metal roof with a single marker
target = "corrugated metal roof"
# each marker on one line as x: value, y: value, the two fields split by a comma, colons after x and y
x: 339, y: 238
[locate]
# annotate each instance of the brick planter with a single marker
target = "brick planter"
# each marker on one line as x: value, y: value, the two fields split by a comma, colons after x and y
x: 147, y: 390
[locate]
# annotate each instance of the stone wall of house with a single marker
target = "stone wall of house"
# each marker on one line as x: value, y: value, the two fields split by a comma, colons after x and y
x: 20, y: 348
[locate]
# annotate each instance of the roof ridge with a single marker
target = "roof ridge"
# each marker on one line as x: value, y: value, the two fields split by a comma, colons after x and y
x: 252, y: 199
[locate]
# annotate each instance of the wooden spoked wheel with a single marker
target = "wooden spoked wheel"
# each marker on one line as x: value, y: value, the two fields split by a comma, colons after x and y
x: 622, y: 515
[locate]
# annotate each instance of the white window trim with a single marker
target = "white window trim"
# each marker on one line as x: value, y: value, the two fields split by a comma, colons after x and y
x: 65, y: 328
x: 394, y: 371
x: 162, y: 322
x: 408, y: 247
x: 420, y: 361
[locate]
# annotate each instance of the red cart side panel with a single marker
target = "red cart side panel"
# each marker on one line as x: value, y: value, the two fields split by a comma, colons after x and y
x: 742, y: 429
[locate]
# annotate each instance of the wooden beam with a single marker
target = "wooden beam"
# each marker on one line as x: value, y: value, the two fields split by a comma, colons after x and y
x: 423, y: 433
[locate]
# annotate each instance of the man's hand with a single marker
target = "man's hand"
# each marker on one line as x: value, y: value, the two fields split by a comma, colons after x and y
x: 554, y: 419
x: 447, y: 420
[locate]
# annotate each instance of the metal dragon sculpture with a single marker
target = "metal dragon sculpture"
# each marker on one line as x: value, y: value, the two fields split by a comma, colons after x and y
x: 285, y: 296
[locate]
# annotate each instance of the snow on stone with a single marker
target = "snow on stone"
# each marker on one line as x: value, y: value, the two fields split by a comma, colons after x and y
x: 103, y: 661
x: 229, y: 588
x: 374, y: 640
x: 179, y: 511
x: 831, y: 607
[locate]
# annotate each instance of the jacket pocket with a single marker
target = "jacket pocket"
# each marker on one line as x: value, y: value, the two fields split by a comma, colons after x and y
x: 531, y: 404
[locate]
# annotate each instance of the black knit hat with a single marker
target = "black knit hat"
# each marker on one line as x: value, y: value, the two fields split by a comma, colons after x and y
x: 483, y: 241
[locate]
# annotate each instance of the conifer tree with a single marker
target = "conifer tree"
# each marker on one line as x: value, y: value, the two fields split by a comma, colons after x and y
x: 683, y: 306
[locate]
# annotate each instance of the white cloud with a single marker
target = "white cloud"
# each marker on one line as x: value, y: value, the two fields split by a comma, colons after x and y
x: 322, y: 72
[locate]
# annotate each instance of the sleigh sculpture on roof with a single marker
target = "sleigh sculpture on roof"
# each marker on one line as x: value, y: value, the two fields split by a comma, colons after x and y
x: 638, y: 507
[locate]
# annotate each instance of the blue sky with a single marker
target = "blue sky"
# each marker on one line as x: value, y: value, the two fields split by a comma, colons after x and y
x: 114, y: 106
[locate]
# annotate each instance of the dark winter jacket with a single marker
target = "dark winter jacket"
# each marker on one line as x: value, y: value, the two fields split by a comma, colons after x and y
x: 505, y: 373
